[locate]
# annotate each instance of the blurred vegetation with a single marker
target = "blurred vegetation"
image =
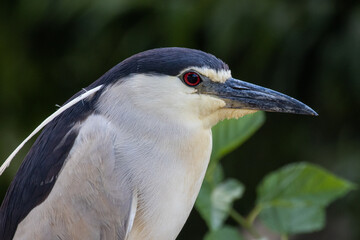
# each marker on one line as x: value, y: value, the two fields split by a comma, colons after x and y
x: 290, y: 201
x: 307, y: 49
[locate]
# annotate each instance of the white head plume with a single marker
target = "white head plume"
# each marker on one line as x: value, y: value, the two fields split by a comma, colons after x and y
x: 46, y: 121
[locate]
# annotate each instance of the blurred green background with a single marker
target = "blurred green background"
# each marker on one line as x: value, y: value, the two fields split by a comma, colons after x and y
x: 308, y: 49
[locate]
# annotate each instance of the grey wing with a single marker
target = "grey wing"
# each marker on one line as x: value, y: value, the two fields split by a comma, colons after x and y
x: 91, y: 199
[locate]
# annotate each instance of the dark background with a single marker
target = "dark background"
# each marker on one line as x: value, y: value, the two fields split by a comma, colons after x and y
x: 308, y: 49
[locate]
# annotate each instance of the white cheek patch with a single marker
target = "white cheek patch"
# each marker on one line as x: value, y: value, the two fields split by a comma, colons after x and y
x: 207, y: 105
x: 214, y: 75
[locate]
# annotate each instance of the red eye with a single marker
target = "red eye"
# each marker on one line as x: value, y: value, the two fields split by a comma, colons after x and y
x: 192, y: 79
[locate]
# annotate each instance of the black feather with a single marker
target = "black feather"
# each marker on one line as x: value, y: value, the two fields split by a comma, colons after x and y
x: 166, y: 61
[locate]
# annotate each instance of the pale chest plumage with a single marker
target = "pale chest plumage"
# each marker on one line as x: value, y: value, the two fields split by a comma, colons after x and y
x: 167, y: 158
x: 168, y: 179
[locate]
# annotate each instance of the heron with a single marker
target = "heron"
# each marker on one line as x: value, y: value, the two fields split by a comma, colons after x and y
x: 125, y: 157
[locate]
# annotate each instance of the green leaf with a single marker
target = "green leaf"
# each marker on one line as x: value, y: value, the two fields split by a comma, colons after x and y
x: 218, y: 175
x: 222, y: 199
x: 224, y: 233
x: 215, y: 198
x: 203, y: 203
x: 293, y: 218
x: 293, y: 198
x: 215, y: 202
x: 230, y: 134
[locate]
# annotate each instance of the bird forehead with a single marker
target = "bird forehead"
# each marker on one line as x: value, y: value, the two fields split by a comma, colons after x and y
x: 215, y: 75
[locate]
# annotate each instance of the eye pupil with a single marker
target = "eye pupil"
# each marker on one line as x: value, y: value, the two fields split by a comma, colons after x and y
x: 192, y: 78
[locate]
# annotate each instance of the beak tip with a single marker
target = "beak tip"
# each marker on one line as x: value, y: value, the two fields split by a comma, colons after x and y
x: 311, y: 112
x: 315, y: 114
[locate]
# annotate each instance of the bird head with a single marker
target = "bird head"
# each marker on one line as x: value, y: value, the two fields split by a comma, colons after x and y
x: 189, y: 85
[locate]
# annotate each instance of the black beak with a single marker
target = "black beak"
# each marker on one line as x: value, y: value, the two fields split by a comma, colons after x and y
x: 243, y: 95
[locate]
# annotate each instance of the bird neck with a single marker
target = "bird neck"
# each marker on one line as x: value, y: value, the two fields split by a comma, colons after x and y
x: 167, y: 158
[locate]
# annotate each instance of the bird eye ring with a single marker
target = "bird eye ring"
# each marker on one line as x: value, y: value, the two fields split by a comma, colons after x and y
x: 192, y: 79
